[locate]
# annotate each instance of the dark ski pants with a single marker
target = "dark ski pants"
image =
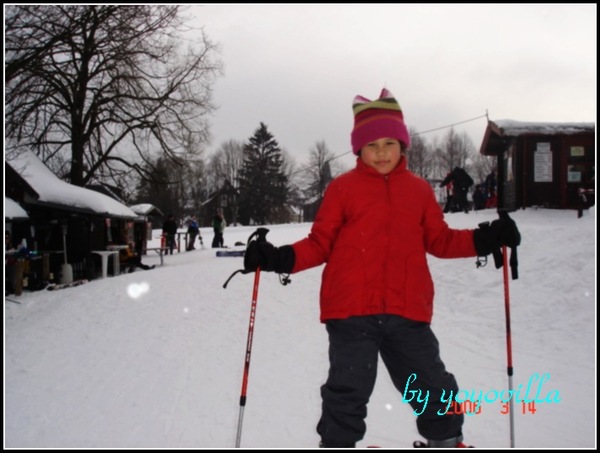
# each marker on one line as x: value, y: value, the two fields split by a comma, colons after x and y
x: 170, y: 242
x: 218, y: 240
x: 406, y: 348
x: 191, y: 241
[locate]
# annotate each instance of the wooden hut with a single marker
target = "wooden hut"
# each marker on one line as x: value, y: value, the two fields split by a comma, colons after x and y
x: 542, y: 164
x: 66, y: 221
x: 225, y: 200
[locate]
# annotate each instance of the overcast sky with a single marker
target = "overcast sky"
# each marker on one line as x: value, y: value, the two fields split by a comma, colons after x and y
x: 297, y: 67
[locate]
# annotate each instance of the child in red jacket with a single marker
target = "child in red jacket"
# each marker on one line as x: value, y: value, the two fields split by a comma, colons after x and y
x: 375, y: 226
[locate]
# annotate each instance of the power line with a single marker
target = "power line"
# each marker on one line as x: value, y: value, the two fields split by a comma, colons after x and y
x: 451, y: 125
x: 416, y: 133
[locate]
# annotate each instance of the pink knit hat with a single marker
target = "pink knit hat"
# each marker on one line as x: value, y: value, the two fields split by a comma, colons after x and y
x: 377, y: 119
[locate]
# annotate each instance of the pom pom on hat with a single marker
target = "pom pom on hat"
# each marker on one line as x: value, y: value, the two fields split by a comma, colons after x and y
x: 377, y: 119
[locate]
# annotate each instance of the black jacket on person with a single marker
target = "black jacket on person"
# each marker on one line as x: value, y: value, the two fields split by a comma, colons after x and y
x: 170, y: 227
x: 460, y: 179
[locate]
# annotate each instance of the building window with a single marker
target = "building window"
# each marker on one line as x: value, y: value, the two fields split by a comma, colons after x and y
x: 581, y: 166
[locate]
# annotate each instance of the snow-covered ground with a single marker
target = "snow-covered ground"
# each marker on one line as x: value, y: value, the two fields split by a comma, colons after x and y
x: 154, y: 359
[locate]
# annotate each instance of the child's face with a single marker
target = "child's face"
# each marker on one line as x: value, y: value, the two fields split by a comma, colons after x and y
x: 382, y: 154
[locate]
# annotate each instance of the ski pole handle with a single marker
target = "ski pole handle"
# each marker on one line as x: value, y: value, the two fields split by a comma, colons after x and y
x: 498, y: 258
x: 262, y: 234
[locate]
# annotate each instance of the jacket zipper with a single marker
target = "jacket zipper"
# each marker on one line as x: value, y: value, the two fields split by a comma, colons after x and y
x: 388, y: 236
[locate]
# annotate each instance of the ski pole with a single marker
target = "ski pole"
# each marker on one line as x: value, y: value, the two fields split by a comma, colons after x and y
x: 247, y: 359
x: 509, y: 368
x: 260, y: 235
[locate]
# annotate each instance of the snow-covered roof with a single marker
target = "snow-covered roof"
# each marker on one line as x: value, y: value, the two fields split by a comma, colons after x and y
x: 145, y: 209
x: 515, y: 128
x: 51, y: 190
x: 13, y: 210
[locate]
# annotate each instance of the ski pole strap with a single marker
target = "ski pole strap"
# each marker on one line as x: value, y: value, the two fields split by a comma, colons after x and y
x: 481, y: 261
x: 259, y: 235
x: 514, y: 263
x: 498, y: 260
x: 243, y: 271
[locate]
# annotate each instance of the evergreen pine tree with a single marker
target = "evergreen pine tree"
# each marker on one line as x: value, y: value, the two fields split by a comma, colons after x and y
x: 263, y: 185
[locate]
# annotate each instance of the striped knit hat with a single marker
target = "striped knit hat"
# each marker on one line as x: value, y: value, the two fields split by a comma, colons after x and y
x: 378, y: 119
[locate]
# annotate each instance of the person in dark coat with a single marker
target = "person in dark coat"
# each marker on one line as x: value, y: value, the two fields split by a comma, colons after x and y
x: 169, y: 229
x: 461, y: 183
x: 219, y: 225
x: 449, y: 206
x: 491, y: 183
x: 479, y: 197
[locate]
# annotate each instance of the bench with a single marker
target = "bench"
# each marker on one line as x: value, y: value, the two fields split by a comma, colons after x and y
x: 161, y: 251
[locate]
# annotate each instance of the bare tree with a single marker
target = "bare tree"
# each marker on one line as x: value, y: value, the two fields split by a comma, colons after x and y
x: 225, y: 164
x: 295, y: 196
x: 319, y: 171
x: 103, y: 90
x: 482, y: 166
x: 161, y: 190
x: 420, y: 156
x: 27, y: 40
x: 454, y: 151
x: 224, y: 170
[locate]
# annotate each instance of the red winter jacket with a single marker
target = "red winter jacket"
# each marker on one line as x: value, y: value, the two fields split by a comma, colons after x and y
x: 374, y: 231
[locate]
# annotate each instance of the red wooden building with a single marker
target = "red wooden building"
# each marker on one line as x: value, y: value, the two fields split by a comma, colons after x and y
x: 542, y: 164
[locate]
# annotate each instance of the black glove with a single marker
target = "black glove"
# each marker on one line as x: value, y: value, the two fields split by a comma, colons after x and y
x: 490, y: 237
x: 269, y: 258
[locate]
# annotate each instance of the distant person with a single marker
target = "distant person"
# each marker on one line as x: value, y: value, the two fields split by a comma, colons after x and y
x: 129, y: 259
x: 193, y: 232
x: 461, y: 183
x: 449, y: 206
x: 479, y: 197
x: 374, y: 229
x: 219, y: 225
x: 169, y: 229
x: 491, y: 186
